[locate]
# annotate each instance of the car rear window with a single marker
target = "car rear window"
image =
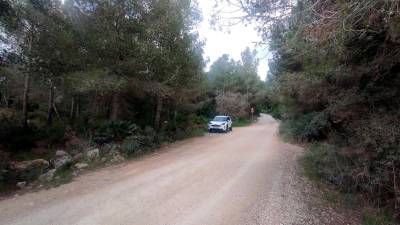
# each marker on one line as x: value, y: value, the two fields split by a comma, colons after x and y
x: 220, y: 118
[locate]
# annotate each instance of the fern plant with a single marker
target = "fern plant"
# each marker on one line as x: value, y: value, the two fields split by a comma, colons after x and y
x: 115, y: 131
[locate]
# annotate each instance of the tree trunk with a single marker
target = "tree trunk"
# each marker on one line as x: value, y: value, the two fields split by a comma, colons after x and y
x: 25, y: 100
x: 78, y: 107
x: 72, y: 111
x: 5, y: 98
x: 223, y: 98
x: 50, y: 108
x: 175, y: 117
x: 158, y: 113
x: 25, y: 97
x: 115, y: 107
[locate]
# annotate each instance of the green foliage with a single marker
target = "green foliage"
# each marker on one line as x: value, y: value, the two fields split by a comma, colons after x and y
x: 200, y: 120
x: 335, y: 79
x: 140, y: 142
x: 114, y: 131
x: 150, y: 137
x: 137, y: 144
x: 20, y: 140
x: 377, y: 217
x: 96, y: 70
x: 132, y: 145
x: 86, y: 124
x: 4, y: 158
x: 101, y: 80
x: 233, y: 104
x: 64, y: 176
x: 7, y: 178
x: 54, y: 134
x: 236, y: 85
x: 188, y: 133
x: 322, y: 161
x: 15, y: 137
x: 275, y: 111
x: 309, y: 127
x: 331, y: 197
x: 241, y: 122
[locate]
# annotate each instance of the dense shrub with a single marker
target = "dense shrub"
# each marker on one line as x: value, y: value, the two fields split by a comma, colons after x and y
x: 4, y: 162
x: 241, y: 122
x: 54, y: 134
x: 14, y: 136
x: 140, y: 142
x: 187, y: 133
x: 323, y: 161
x: 337, y: 81
x: 150, y: 137
x: 308, y: 127
x: 114, y: 131
x: 233, y: 104
x: 134, y: 144
x: 275, y: 111
x: 199, y: 121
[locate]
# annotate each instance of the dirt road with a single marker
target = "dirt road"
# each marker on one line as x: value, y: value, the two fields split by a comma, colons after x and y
x: 243, y: 177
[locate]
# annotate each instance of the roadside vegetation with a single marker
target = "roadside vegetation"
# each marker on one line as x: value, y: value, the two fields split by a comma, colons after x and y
x: 87, y: 83
x: 334, y: 82
x: 242, y: 122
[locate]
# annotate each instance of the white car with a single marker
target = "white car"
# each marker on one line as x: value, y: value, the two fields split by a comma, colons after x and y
x: 220, y: 123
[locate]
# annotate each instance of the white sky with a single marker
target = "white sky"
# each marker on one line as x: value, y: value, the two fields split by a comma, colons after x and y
x: 233, y: 42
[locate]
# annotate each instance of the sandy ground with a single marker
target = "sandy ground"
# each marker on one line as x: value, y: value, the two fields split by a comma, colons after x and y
x: 247, y: 176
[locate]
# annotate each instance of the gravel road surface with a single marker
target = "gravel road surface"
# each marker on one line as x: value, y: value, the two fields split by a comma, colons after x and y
x: 247, y: 176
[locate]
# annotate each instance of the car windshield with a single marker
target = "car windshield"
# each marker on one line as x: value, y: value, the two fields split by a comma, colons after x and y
x: 220, y: 118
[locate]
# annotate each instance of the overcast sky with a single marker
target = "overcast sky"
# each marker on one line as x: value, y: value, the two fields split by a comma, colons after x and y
x: 233, y: 42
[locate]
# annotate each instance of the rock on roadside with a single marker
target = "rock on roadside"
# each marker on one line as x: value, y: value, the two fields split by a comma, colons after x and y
x: 81, y: 166
x: 49, y: 176
x: 21, y: 185
x: 93, y: 154
x: 29, y: 165
x: 79, y: 157
x: 29, y: 170
x: 61, y: 159
x: 117, y: 159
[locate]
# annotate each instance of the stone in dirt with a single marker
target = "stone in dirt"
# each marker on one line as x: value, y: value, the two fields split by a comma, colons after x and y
x: 61, y: 159
x: 81, y: 165
x: 29, y: 170
x: 60, y: 153
x: 117, y: 158
x: 93, y: 154
x: 49, y: 176
x: 30, y: 165
x: 21, y: 185
x: 78, y: 157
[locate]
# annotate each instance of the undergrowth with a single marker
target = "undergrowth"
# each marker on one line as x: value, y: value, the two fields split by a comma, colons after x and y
x: 327, y: 169
x: 241, y: 122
